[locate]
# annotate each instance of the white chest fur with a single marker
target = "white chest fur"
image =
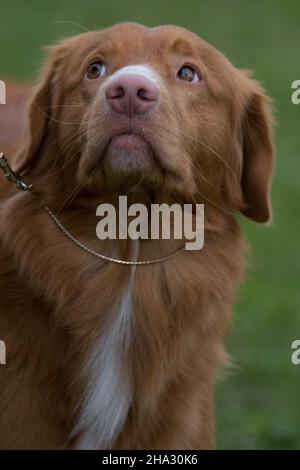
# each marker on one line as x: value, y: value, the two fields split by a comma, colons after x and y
x: 109, y: 392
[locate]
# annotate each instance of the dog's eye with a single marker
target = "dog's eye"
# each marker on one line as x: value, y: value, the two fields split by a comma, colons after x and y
x: 188, y: 74
x: 95, y: 70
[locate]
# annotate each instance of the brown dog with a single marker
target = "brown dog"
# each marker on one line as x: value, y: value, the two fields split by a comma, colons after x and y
x: 104, y: 355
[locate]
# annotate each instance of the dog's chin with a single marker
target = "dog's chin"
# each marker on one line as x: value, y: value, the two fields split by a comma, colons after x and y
x: 123, y: 162
x: 128, y: 154
x: 126, y: 161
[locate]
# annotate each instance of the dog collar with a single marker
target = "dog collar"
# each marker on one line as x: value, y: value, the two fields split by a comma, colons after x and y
x: 107, y: 258
x: 14, y: 178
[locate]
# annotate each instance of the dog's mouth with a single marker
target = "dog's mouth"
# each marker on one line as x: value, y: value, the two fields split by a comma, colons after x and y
x: 129, y: 142
x: 132, y: 151
x: 128, y: 152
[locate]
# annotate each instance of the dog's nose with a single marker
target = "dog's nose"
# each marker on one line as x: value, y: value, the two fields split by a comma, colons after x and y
x: 131, y: 94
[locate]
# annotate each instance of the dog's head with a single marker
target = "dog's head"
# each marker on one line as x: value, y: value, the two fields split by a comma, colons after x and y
x: 158, y: 108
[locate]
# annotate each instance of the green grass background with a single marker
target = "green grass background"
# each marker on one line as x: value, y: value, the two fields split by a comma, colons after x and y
x: 258, y: 405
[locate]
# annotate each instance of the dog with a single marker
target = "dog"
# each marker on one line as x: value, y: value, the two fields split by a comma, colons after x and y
x: 109, y: 355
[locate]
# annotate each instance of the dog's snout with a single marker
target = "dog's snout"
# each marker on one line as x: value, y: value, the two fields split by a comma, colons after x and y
x: 131, y: 94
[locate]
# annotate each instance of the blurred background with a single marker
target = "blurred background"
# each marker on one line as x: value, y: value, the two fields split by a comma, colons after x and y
x: 258, y: 404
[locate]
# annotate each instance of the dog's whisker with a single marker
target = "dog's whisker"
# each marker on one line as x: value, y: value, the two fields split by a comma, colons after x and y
x: 188, y: 150
x: 64, y: 150
x: 71, y: 196
x: 58, y: 121
x: 73, y: 23
x: 208, y: 147
x: 66, y: 106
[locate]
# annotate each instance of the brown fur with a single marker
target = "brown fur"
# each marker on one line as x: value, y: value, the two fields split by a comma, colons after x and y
x: 56, y: 299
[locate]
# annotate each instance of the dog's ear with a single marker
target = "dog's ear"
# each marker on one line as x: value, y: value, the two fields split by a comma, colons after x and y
x: 39, y: 114
x: 253, y: 153
x: 258, y: 156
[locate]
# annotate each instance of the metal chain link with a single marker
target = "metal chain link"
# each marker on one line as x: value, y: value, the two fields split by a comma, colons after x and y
x: 107, y: 258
